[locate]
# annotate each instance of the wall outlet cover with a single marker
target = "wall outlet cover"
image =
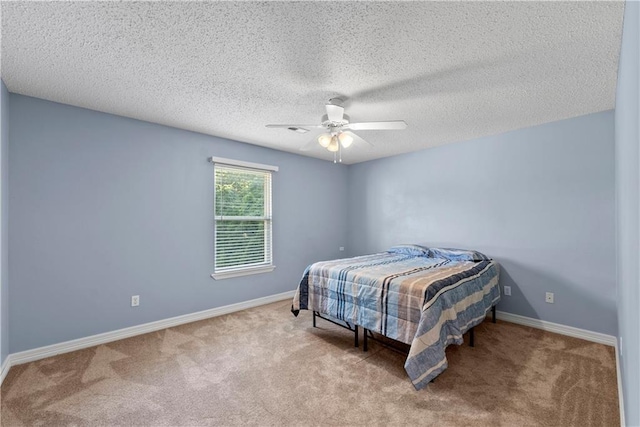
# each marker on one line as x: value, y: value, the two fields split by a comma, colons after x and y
x: 507, y: 291
x: 549, y: 297
x: 135, y: 300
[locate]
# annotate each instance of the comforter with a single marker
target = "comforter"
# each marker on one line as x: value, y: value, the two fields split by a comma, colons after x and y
x: 425, y: 297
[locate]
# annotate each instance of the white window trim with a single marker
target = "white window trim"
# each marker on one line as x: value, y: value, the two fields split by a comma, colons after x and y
x: 258, y: 269
x: 243, y: 164
x: 246, y: 271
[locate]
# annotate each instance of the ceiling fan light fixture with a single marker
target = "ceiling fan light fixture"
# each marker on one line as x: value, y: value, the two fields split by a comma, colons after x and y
x: 333, y: 145
x: 345, y: 139
x: 324, y: 140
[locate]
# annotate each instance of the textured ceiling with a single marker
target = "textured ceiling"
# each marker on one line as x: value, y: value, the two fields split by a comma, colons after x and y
x: 453, y: 71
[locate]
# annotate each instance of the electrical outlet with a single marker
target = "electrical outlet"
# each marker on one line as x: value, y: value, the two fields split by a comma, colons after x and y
x: 341, y: 248
x: 507, y: 291
x: 135, y: 300
x: 549, y: 297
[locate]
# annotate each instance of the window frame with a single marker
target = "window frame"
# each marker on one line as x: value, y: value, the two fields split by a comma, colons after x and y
x: 229, y: 272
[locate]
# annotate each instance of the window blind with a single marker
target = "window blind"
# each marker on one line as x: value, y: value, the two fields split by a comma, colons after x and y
x: 243, y: 219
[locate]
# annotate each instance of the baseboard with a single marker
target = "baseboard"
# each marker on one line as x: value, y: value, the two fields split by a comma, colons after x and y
x: 620, y: 396
x: 93, y: 340
x: 4, y: 368
x: 557, y: 328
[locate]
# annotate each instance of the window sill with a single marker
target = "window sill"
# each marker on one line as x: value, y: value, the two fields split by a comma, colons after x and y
x: 243, y: 272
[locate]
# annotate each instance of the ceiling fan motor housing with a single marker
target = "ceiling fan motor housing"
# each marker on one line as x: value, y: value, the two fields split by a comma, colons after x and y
x: 328, y: 123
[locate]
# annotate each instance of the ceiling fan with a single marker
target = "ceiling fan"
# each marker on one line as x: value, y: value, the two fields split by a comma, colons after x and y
x: 338, y: 134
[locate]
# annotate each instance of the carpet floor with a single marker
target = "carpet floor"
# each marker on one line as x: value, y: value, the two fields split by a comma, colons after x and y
x: 264, y: 367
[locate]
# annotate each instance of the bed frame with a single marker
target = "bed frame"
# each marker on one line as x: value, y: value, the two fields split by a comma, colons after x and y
x: 346, y: 325
x: 368, y: 335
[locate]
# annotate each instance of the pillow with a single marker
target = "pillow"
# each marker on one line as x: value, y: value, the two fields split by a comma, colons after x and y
x: 415, y: 250
x: 458, y: 254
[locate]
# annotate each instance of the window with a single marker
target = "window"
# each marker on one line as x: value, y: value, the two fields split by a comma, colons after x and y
x: 242, y: 209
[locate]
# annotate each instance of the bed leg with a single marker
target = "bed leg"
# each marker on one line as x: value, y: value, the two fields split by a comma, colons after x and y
x: 471, y: 337
x: 357, y: 344
x: 314, y: 319
x: 365, y: 345
x: 493, y: 314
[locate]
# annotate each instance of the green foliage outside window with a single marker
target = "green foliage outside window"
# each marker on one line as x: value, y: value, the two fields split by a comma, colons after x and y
x: 239, y: 193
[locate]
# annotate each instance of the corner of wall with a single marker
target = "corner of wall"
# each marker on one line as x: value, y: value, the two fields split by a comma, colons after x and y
x: 627, y: 141
x: 4, y: 224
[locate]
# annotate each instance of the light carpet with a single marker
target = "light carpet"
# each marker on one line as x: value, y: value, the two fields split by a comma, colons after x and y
x: 264, y: 367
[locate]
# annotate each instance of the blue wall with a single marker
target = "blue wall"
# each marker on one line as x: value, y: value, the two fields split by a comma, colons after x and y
x: 104, y: 207
x: 539, y: 200
x: 4, y: 222
x: 627, y: 138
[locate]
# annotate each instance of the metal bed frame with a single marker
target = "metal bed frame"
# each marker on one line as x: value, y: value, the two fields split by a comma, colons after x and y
x: 368, y: 335
x: 346, y: 325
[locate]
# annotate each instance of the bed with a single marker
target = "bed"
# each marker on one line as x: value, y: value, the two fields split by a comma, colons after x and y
x: 421, y: 296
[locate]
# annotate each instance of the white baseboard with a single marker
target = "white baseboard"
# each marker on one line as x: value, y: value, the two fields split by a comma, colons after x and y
x: 93, y: 340
x: 557, y: 328
x: 620, y: 397
x: 4, y: 369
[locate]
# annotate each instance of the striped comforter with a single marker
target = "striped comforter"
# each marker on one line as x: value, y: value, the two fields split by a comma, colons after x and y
x: 427, y: 299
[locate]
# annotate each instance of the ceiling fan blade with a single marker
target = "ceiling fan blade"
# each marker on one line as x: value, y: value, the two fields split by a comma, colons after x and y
x: 358, y: 140
x: 335, y: 113
x: 295, y: 126
x: 391, y: 125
